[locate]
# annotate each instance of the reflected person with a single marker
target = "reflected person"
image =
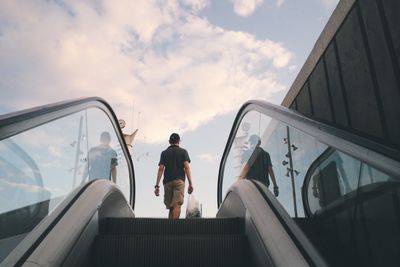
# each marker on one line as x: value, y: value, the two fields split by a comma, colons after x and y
x: 102, y: 161
x: 258, y: 164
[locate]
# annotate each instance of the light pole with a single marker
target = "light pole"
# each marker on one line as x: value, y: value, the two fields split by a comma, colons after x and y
x: 290, y: 169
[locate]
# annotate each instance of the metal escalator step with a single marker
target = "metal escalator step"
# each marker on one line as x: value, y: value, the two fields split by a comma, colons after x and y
x: 154, y: 226
x: 156, y: 250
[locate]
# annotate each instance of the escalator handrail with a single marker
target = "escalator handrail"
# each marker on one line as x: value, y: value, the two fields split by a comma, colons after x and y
x: 17, y: 122
x: 381, y: 157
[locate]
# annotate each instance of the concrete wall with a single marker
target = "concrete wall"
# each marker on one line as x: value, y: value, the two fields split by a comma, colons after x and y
x: 352, y: 77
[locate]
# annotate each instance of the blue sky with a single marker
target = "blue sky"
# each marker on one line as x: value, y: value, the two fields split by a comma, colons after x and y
x: 185, y: 65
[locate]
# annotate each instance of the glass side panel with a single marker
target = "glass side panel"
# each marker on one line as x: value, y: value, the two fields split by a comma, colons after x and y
x: 343, y: 205
x: 334, y: 175
x: 241, y: 149
x: 106, y: 160
x: 303, y: 150
x: 41, y: 166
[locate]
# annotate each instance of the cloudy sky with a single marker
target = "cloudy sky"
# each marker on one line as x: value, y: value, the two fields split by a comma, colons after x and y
x: 164, y: 65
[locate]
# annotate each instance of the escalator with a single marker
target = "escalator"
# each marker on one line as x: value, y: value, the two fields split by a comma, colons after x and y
x: 164, y: 242
x: 338, y: 202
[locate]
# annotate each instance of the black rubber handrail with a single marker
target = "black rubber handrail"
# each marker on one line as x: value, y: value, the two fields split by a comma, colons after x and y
x: 376, y: 155
x: 17, y: 122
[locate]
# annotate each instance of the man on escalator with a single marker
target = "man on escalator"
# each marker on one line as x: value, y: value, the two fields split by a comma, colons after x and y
x: 257, y: 164
x: 174, y: 164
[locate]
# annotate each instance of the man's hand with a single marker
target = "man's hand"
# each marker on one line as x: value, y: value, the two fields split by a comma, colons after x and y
x: 190, y: 189
x: 157, y: 191
x: 276, y: 190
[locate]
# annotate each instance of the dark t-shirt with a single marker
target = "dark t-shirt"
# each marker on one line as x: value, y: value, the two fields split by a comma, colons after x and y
x: 101, y: 161
x: 173, y: 159
x: 259, y: 162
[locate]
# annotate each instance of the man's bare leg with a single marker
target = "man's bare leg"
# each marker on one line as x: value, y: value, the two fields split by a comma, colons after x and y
x: 175, y: 212
x: 170, y: 213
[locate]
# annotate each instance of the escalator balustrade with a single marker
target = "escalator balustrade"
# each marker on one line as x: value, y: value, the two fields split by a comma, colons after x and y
x: 341, y: 189
x: 49, y: 152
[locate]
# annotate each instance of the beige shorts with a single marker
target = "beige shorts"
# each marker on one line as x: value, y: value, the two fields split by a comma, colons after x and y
x: 173, y: 193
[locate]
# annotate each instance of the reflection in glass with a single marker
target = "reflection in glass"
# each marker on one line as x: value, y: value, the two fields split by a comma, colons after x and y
x: 20, y: 178
x: 307, y: 150
x: 241, y: 148
x: 41, y: 166
x: 102, y: 161
x: 257, y: 164
x: 342, y: 204
x: 98, y: 123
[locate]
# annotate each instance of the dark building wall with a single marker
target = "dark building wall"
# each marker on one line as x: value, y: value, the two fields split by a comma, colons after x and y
x: 355, y: 82
x: 336, y: 87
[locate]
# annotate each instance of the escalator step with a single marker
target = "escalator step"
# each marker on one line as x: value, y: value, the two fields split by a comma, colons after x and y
x: 125, y: 226
x: 183, y: 250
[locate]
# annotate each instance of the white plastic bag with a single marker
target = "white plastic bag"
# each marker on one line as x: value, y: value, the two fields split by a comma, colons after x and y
x: 193, y: 207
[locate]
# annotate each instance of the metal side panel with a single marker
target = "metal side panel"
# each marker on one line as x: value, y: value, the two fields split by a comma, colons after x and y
x: 269, y: 240
x: 68, y: 242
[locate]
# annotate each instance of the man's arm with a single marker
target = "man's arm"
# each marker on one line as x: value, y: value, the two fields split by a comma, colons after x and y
x: 244, y: 171
x: 189, y: 176
x: 114, y: 164
x: 160, y: 172
x: 271, y: 173
x: 85, y: 172
x: 114, y: 174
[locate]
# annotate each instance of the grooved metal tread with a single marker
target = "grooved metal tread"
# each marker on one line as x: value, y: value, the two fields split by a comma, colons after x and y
x: 219, y: 226
x: 170, y: 250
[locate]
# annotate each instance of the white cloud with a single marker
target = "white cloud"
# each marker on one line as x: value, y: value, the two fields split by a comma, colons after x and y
x: 180, y: 70
x: 293, y: 68
x: 196, y: 5
x: 330, y: 3
x: 210, y: 158
x: 279, y: 3
x: 55, y: 151
x: 245, y: 8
